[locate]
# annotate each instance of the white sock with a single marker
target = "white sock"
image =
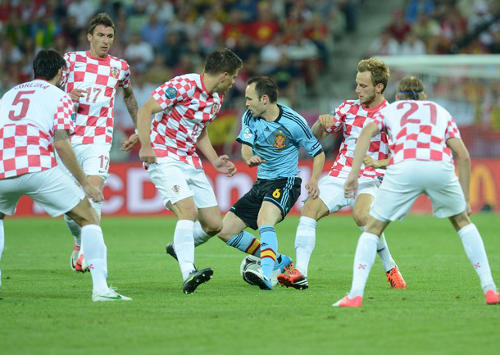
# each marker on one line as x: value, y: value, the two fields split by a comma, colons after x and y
x: 474, y: 248
x: 383, y: 252
x: 2, y: 243
x: 305, y: 240
x: 385, y: 255
x: 199, y: 234
x: 95, y: 254
x: 184, y: 246
x: 74, y: 229
x: 363, y: 262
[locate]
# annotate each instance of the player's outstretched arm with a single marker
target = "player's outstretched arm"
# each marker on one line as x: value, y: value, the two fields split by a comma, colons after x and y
x: 312, y: 185
x: 462, y: 157
x: 351, y: 183
x: 221, y: 163
x: 319, y: 127
x: 67, y: 155
x: 146, y: 154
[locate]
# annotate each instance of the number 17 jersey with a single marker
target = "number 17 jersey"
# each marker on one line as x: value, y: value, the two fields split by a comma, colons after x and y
x: 99, y: 78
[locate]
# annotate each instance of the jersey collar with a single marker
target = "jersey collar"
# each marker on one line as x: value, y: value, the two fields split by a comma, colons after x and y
x: 106, y: 59
x: 376, y: 108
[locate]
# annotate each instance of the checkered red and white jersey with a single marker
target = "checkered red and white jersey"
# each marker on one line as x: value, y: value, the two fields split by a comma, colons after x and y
x: 350, y: 117
x: 417, y: 130
x: 30, y: 113
x: 187, y: 109
x: 99, y: 78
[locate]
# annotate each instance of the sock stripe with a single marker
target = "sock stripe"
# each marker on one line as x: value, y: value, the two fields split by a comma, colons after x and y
x: 265, y: 229
x: 253, y: 247
x: 268, y: 253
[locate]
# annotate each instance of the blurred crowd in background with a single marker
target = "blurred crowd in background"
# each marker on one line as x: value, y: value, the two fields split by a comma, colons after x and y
x: 293, y: 41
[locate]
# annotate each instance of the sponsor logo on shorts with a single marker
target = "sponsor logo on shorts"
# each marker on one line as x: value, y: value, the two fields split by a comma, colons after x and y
x: 176, y: 189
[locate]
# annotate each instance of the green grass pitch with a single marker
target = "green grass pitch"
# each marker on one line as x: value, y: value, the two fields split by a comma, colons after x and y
x: 46, y: 309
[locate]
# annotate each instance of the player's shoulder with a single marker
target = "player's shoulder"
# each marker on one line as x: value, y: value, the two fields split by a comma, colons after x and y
x: 348, y: 105
x: 118, y: 61
x: 291, y: 115
x: 74, y: 56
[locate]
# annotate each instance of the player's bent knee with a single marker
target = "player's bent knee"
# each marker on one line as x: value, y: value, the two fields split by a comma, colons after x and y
x: 83, y: 214
x: 361, y: 219
x: 314, y: 208
x: 213, y: 228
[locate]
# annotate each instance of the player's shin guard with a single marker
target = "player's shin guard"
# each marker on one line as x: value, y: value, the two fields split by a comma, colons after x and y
x: 363, y: 262
x: 268, y: 249
x: 474, y: 248
x: 245, y: 242
x: 184, y: 246
x: 94, y: 250
x: 199, y: 235
x: 305, y: 240
x: 74, y: 229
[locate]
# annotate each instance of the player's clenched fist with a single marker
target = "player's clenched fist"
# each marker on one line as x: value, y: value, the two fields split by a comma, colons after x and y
x: 147, y: 155
x: 326, y: 120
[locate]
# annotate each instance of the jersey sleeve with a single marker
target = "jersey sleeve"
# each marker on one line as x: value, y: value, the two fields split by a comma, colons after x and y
x: 246, y: 135
x: 63, y: 115
x: 338, y: 114
x: 306, y: 138
x: 172, y: 92
x: 452, y: 129
x: 125, y: 82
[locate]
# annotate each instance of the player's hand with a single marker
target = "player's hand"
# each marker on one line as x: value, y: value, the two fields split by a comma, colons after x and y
x: 147, y: 155
x: 370, y: 162
x: 75, y: 94
x: 254, y: 160
x: 93, y: 192
x: 326, y: 120
x: 351, y: 186
x: 312, y: 188
x: 128, y: 144
x: 225, y: 166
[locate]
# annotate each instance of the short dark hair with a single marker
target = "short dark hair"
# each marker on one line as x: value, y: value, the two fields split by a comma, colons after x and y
x: 264, y: 85
x: 222, y: 61
x: 411, y: 88
x: 47, y: 63
x: 101, y: 18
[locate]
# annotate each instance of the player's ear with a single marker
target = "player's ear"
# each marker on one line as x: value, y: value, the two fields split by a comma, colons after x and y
x: 379, y: 87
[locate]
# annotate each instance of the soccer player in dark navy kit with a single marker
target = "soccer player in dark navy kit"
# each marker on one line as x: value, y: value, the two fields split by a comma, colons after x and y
x: 270, y: 138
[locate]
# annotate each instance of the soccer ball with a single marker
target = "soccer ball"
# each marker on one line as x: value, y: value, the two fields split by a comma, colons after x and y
x: 249, y: 263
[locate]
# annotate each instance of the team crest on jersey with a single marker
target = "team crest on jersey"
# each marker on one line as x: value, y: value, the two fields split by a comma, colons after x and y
x: 279, y: 140
x: 215, y: 108
x: 114, y: 72
x: 171, y: 92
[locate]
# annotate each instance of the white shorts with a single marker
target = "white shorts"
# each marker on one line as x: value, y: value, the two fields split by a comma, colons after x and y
x: 93, y: 158
x: 406, y: 181
x: 52, y: 189
x: 331, y: 191
x: 177, y: 180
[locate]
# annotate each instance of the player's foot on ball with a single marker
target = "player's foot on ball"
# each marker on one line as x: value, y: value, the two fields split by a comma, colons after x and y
x: 74, y: 256
x: 169, y: 248
x: 492, y: 297
x: 282, y: 262
x: 196, y: 278
x: 293, y: 278
x: 109, y: 295
x: 349, y: 302
x: 396, y: 279
x: 81, y: 264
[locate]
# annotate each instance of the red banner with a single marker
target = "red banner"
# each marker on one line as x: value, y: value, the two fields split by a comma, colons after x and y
x: 129, y: 191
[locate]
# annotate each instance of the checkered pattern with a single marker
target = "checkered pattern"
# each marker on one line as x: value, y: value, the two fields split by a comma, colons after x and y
x: 413, y: 135
x: 187, y: 109
x: 351, y: 117
x: 26, y: 142
x: 99, y: 78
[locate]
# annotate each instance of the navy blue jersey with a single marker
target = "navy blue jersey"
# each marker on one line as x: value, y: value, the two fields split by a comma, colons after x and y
x: 278, y: 142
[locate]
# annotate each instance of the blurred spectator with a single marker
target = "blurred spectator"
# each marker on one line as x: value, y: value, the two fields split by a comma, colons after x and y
x: 426, y: 27
x: 82, y: 11
x: 399, y: 28
x: 271, y: 53
x: 163, y: 9
x: 412, y: 45
x: 288, y: 78
x: 210, y: 30
x: 172, y: 48
x: 265, y: 27
x: 158, y: 72
x: 417, y: 7
x: 233, y: 28
x: 385, y: 44
x: 139, y: 53
x: 153, y: 31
